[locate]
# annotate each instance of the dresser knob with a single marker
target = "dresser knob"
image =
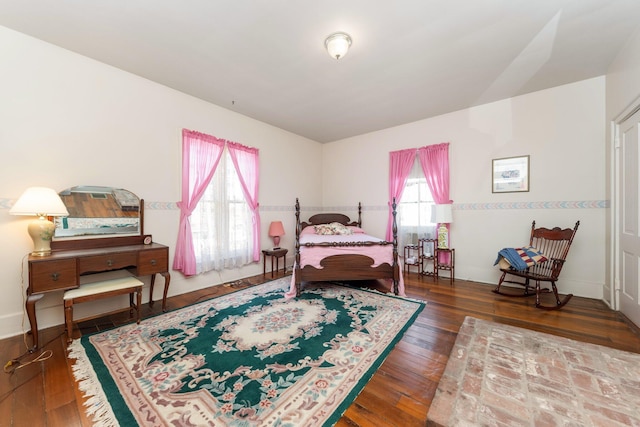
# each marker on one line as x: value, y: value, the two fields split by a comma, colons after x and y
x: 55, y: 276
x: 110, y: 263
x: 153, y: 262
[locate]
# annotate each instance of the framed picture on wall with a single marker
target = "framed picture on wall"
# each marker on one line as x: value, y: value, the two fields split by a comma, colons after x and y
x: 510, y: 174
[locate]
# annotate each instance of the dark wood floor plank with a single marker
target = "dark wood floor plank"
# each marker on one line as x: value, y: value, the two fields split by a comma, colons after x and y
x: 10, y: 381
x: 56, y: 377
x: 65, y: 416
x: 29, y: 402
x: 398, y: 394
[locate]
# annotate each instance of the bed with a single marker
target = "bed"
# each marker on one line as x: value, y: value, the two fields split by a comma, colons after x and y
x: 330, y: 246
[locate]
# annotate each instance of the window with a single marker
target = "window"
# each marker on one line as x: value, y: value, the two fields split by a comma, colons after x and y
x: 414, y: 210
x: 219, y: 213
x: 221, y: 223
x: 406, y: 170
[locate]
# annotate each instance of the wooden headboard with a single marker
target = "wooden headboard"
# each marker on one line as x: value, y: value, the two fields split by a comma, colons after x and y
x: 326, y: 218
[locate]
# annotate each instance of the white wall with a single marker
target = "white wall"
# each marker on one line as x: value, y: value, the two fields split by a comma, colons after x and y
x: 563, y: 131
x: 67, y: 120
x: 623, y: 91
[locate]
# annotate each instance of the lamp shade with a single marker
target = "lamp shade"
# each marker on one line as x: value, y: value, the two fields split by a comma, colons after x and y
x: 443, y: 214
x: 337, y: 45
x: 39, y: 201
x: 276, y: 229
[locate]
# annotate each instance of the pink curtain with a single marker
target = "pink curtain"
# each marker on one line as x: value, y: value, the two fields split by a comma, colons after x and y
x: 245, y: 161
x: 200, y: 157
x: 400, y: 164
x: 434, y: 160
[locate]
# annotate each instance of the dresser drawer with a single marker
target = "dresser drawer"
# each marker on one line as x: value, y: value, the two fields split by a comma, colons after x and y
x: 153, y: 261
x: 53, y: 275
x: 116, y: 261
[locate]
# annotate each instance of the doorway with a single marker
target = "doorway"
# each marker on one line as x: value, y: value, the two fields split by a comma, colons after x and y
x: 627, y: 215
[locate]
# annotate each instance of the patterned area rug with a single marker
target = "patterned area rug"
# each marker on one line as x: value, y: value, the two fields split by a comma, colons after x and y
x: 500, y: 375
x: 247, y: 358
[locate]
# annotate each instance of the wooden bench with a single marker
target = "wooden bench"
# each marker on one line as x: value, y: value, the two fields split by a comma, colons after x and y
x: 102, y: 289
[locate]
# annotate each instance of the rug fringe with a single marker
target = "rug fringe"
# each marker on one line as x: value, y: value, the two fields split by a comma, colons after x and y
x: 97, y: 404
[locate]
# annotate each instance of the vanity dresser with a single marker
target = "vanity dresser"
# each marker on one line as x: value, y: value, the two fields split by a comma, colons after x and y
x: 104, y: 232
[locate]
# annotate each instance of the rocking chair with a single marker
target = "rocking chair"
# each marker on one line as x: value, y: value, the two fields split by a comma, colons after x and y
x: 554, y: 244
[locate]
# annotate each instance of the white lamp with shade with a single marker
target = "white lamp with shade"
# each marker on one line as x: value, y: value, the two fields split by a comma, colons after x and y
x: 275, y: 231
x: 41, y: 202
x: 443, y: 215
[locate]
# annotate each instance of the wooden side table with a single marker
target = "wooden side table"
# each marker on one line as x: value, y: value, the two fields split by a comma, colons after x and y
x: 446, y: 261
x: 274, y: 254
x: 411, y: 257
x: 428, y: 256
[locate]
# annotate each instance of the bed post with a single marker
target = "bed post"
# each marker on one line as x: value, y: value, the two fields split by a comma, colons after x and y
x: 359, y: 214
x: 296, y: 266
x: 396, y: 267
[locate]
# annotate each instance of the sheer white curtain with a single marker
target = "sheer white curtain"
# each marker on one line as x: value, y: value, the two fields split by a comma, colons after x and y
x: 414, y: 210
x: 222, y: 222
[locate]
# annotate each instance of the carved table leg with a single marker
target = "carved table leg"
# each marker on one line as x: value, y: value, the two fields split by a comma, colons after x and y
x: 167, y: 279
x: 151, y: 285
x: 31, y: 313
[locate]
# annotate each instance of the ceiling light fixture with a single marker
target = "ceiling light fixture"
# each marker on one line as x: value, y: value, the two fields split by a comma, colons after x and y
x: 337, y: 45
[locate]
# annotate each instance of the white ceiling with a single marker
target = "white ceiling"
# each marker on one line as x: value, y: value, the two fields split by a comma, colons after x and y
x: 410, y: 59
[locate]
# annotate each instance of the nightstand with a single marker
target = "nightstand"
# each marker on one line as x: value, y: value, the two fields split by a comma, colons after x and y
x: 274, y: 254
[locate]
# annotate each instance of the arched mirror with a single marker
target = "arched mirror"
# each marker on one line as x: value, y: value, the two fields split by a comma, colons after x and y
x: 96, y: 211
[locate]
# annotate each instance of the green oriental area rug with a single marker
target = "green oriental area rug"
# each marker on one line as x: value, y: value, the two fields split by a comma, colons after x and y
x: 247, y: 358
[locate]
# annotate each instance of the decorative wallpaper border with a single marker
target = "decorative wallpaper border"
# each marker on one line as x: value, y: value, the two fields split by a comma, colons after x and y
x: 569, y: 204
x: 576, y: 204
x: 161, y: 206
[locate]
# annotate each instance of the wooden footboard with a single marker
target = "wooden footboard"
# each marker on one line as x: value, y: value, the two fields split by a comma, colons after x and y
x: 348, y: 266
x: 354, y: 267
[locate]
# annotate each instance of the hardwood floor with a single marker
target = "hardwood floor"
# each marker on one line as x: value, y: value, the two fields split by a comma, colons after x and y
x: 43, y: 393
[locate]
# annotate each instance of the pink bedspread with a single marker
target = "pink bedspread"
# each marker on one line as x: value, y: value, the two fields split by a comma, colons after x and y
x: 313, y: 255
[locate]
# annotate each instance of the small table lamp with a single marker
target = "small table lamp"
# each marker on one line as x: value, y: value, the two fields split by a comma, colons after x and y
x: 443, y: 215
x: 41, y: 202
x: 276, y: 230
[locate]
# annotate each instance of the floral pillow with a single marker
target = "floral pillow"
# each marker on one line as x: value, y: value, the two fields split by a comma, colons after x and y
x: 334, y: 228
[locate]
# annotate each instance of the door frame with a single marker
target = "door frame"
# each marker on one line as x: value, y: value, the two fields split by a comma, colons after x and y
x: 614, y: 227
